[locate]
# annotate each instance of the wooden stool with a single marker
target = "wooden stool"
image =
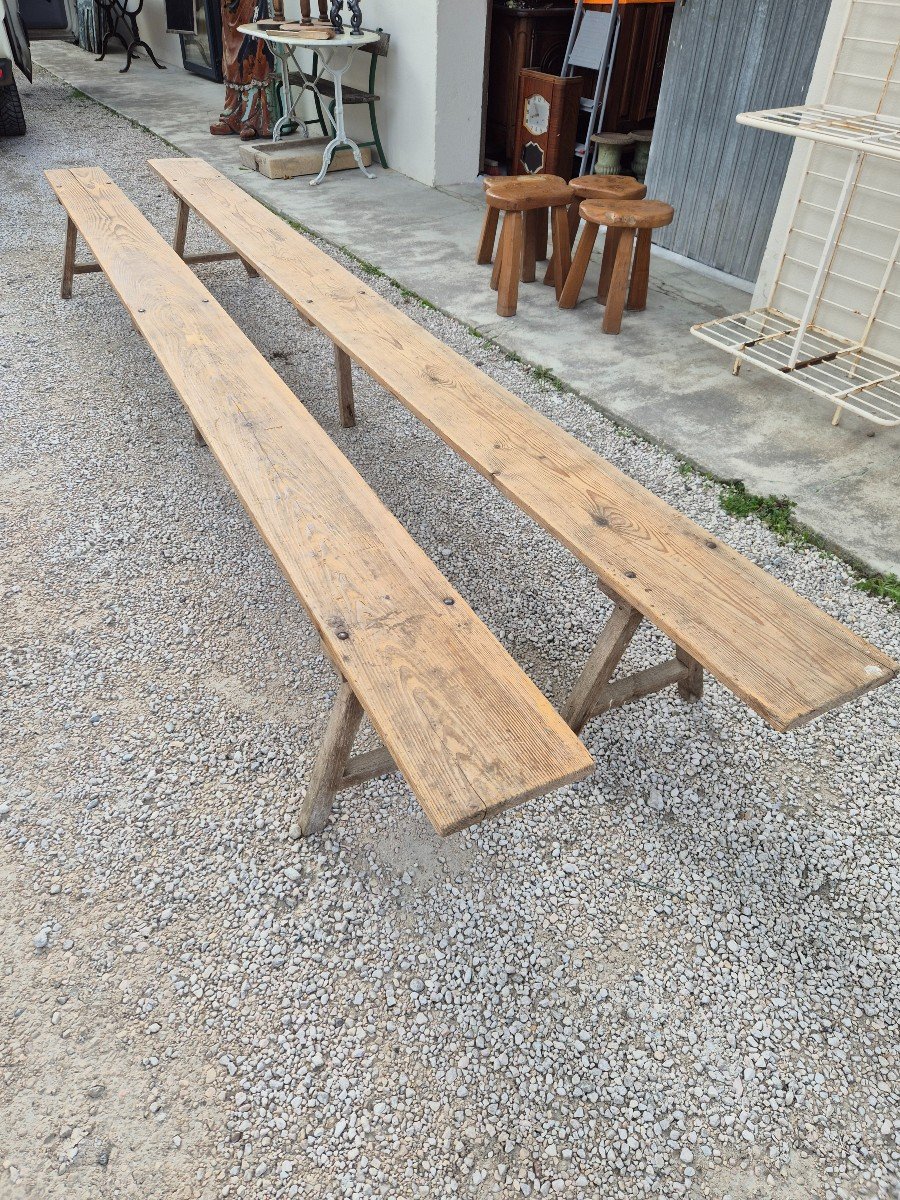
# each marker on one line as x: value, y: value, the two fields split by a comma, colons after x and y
x: 524, y: 201
x: 596, y: 187
x: 622, y: 220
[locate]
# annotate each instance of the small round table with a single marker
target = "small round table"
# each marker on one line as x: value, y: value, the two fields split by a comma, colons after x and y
x: 335, y: 55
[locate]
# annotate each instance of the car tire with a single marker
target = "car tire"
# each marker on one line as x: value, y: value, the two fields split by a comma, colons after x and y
x: 12, y: 119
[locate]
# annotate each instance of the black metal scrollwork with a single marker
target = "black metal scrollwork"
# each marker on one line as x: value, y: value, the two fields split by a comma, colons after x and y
x: 337, y: 20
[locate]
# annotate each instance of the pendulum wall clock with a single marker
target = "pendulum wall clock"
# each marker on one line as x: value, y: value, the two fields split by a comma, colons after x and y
x: 547, y: 116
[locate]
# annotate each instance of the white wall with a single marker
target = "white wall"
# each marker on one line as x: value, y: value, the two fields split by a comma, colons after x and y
x: 849, y: 73
x: 430, y: 83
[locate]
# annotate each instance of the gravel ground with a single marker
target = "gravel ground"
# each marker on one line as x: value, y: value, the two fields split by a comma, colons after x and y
x: 673, y: 979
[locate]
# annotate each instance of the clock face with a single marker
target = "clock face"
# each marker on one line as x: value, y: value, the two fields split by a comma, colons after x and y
x: 537, y: 115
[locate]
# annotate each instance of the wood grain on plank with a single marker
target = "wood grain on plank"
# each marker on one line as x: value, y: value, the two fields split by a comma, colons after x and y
x: 780, y: 654
x: 471, y: 734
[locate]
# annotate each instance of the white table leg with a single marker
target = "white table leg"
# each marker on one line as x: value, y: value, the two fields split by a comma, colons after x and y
x: 340, y: 138
x: 290, y: 103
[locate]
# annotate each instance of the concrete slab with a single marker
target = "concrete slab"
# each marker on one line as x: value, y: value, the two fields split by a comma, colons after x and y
x: 654, y: 377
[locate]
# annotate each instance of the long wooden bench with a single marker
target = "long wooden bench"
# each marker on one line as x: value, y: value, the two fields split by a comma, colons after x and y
x: 780, y: 654
x: 471, y: 734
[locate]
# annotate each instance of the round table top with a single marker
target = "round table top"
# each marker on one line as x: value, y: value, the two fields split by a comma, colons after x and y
x: 296, y: 38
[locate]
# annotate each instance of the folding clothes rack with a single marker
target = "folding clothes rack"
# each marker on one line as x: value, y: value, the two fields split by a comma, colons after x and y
x: 592, y: 46
x: 832, y: 325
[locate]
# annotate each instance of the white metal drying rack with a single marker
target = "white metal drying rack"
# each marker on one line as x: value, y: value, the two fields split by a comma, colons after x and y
x: 843, y: 370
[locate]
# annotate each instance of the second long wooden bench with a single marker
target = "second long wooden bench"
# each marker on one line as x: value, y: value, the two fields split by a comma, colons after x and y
x: 782, y: 656
x: 469, y: 731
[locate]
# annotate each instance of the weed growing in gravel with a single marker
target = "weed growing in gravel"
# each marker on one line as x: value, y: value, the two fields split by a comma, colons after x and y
x: 774, y: 511
x: 886, y: 586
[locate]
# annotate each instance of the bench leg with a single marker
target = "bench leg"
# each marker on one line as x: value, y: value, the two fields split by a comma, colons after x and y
x: 198, y: 436
x: 181, y: 224
x: 488, y: 236
x: 178, y: 241
x: 330, y: 761
x: 603, y: 660
x: 68, y: 260
x: 691, y: 687
x: 334, y: 769
x: 593, y: 694
x: 345, y: 388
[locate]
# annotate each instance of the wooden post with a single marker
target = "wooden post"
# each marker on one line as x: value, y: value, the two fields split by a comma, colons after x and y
x: 498, y: 257
x: 562, y: 248
x: 345, y: 388
x: 604, y: 658
x: 334, y: 752
x: 690, y: 688
x: 181, y: 224
x: 513, y: 247
x: 573, y: 218
x: 610, y: 245
x: 68, y: 260
x: 618, y: 284
x: 529, y: 253
x: 488, y: 235
x: 640, y: 272
x: 572, y: 289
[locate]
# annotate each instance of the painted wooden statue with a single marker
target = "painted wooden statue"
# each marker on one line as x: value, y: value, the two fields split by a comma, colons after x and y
x: 247, y: 66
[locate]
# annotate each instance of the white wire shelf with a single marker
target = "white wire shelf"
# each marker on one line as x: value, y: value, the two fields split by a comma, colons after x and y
x: 846, y: 373
x: 869, y: 133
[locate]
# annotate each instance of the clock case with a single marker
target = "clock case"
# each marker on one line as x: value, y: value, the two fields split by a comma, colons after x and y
x: 551, y: 152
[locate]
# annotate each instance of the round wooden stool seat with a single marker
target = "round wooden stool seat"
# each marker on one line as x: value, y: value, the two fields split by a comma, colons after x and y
x: 607, y: 187
x: 611, y: 188
x: 524, y: 193
x: 525, y: 202
x: 629, y: 229
x: 627, y: 214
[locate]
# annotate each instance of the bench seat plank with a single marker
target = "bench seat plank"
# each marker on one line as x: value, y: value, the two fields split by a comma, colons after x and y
x: 780, y: 654
x: 471, y: 734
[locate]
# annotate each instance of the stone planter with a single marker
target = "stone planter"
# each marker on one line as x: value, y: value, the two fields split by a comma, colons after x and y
x: 609, y: 150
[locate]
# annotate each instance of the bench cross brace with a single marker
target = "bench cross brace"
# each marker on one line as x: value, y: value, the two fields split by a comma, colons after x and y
x: 181, y: 224
x: 594, y: 694
x: 335, y: 769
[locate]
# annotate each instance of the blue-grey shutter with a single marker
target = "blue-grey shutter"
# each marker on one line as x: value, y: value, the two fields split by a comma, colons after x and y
x: 724, y: 180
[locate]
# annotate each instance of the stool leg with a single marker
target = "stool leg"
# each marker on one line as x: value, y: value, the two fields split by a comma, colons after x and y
x: 488, y: 236
x: 575, y: 278
x: 498, y: 257
x: 530, y: 255
x: 618, y: 284
x: 640, y: 272
x: 562, y: 250
x: 512, y: 250
x: 573, y: 218
x: 542, y: 221
x: 610, y: 245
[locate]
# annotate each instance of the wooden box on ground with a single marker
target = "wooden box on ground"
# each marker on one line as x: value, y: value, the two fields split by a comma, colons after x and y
x: 296, y: 156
